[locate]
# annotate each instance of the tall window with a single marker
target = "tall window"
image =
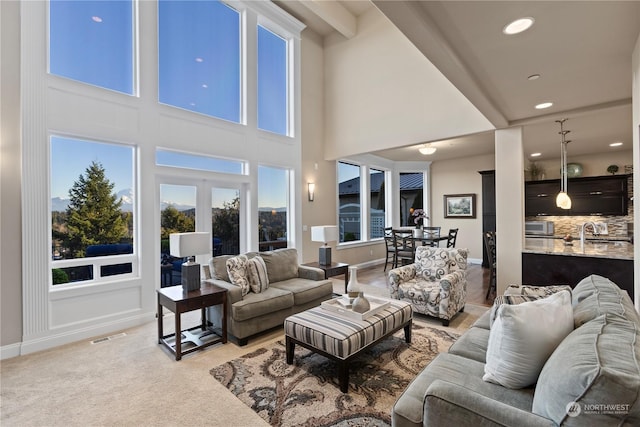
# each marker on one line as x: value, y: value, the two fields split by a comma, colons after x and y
x: 92, y: 209
x: 273, y: 95
x: 377, y: 205
x: 349, y: 202
x: 273, y: 184
x: 411, y: 196
x: 225, y: 221
x: 92, y: 42
x: 199, y: 57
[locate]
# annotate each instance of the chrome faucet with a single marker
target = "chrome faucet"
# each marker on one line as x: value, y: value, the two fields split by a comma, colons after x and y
x: 582, y: 230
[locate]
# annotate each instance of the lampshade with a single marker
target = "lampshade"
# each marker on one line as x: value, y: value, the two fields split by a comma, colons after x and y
x: 324, y: 233
x: 189, y: 244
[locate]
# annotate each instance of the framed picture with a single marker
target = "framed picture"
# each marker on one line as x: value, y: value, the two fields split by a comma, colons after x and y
x: 459, y: 205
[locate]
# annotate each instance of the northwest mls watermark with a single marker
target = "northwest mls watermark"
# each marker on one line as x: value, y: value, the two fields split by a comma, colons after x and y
x: 574, y: 409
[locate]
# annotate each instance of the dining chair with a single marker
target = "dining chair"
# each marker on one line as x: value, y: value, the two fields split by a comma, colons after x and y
x: 451, y: 238
x: 431, y: 232
x: 490, y: 243
x: 405, y: 247
x: 390, y: 247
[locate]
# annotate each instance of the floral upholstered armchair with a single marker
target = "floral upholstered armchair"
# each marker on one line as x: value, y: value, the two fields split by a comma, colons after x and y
x: 435, y: 284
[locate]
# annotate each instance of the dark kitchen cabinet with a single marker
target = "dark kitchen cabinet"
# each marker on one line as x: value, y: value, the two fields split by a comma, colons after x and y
x: 488, y: 208
x: 597, y: 195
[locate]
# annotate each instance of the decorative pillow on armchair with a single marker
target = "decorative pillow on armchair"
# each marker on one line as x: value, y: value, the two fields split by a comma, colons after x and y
x: 431, y: 263
x: 237, y: 270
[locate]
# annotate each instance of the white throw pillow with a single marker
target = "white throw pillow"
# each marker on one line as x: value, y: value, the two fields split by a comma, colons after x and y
x: 523, y: 337
x: 257, y: 273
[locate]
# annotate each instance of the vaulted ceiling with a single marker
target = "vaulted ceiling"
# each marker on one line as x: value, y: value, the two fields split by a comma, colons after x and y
x: 581, y: 51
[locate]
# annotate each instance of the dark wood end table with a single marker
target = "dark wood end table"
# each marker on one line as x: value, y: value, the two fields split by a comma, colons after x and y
x: 179, y: 301
x: 333, y: 269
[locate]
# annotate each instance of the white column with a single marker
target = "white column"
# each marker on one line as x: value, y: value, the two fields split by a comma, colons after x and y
x: 509, y: 206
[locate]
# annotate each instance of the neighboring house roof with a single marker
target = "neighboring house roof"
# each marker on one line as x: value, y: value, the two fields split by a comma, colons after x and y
x: 408, y: 181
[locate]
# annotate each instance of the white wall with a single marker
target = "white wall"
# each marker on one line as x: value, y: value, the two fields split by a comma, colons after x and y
x: 381, y: 92
x: 10, y: 182
x: 460, y: 176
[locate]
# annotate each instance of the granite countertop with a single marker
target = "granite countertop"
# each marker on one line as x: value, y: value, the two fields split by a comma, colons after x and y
x: 591, y: 248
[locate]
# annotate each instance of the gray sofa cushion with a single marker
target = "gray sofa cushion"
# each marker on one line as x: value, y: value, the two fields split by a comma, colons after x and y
x: 472, y: 344
x: 596, y: 364
x: 467, y: 373
x: 282, y: 264
x: 596, y: 295
x: 254, y: 305
x: 483, y: 321
x: 218, y: 267
x: 305, y: 290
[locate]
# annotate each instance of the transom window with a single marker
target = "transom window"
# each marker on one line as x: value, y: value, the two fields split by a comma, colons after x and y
x: 199, y: 66
x: 92, y: 42
x: 273, y: 78
x: 198, y: 162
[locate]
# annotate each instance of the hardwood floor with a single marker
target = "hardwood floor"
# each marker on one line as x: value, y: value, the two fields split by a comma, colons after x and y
x: 477, y: 281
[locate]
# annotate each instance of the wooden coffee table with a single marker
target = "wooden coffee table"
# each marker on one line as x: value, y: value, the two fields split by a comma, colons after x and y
x: 343, y: 338
x: 179, y: 301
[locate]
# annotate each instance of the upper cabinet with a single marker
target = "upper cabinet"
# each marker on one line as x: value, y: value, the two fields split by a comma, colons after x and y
x: 597, y: 195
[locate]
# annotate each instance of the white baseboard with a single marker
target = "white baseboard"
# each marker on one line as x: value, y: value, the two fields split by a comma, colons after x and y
x: 57, y: 339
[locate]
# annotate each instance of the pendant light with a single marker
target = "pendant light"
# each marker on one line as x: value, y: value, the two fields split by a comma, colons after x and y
x: 563, y: 201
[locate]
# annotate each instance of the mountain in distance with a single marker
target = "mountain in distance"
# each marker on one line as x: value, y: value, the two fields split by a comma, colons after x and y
x: 58, y: 204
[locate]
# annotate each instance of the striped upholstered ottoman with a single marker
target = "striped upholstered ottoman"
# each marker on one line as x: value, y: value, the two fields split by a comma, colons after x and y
x: 342, y: 338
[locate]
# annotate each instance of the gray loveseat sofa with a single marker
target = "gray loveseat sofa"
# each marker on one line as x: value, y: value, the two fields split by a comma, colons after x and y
x: 591, y: 379
x: 292, y: 288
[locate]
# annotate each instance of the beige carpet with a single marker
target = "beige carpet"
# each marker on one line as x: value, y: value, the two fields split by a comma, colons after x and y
x: 132, y: 381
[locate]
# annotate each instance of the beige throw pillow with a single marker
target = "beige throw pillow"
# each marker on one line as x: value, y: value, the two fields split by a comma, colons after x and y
x: 257, y: 274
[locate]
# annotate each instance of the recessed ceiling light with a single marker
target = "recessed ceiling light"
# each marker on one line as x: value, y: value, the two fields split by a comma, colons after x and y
x: 536, y: 154
x: 615, y: 144
x: 544, y: 105
x: 96, y: 19
x: 518, y: 26
x: 533, y: 77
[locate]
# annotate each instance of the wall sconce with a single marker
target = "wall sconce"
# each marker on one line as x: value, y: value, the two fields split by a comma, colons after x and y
x: 312, y: 190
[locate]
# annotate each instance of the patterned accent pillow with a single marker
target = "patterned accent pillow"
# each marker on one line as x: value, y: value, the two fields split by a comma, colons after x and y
x: 431, y: 263
x: 237, y: 270
x: 540, y: 291
x: 257, y: 274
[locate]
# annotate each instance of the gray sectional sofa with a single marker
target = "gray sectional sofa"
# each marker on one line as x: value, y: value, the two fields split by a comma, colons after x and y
x: 292, y: 288
x: 591, y: 379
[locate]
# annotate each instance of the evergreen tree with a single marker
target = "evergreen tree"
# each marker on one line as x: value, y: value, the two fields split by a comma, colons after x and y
x: 93, y: 215
x: 174, y: 221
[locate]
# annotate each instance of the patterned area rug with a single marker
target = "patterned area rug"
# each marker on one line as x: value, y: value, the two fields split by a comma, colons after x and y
x: 307, y: 392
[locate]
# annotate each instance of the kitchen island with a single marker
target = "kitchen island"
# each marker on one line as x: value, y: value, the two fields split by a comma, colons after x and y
x: 549, y: 261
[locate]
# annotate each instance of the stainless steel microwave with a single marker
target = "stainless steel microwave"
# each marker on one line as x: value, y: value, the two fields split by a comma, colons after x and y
x: 542, y: 228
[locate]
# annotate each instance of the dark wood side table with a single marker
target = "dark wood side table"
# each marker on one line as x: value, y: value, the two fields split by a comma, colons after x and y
x: 179, y: 301
x: 333, y: 269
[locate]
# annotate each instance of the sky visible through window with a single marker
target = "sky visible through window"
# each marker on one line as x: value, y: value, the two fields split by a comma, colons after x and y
x: 199, y: 70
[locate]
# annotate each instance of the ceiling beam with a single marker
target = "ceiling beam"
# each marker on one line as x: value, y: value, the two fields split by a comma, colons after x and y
x: 334, y: 14
x: 575, y: 112
x: 420, y: 28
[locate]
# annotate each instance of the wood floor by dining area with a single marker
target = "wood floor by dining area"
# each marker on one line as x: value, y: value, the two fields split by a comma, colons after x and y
x: 477, y: 281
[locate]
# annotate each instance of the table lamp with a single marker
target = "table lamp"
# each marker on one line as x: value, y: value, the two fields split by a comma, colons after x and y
x: 324, y: 234
x: 189, y: 245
